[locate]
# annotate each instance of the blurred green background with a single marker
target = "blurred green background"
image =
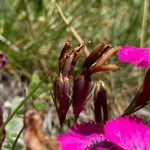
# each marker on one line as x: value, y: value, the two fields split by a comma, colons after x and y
x: 37, y: 31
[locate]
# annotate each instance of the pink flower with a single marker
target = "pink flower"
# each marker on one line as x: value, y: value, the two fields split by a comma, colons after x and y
x: 80, y: 136
x: 88, y: 136
x: 137, y: 56
x: 128, y: 132
x: 123, y: 133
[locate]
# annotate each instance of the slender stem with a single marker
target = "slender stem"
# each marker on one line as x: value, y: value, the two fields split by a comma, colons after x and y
x: 8, y: 43
x: 143, y: 31
x: 72, y: 29
x: 113, y: 41
x: 19, y: 106
x: 30, y: 23
x: 14, y: 144
x: 144, y: 22
x: 114, y: 14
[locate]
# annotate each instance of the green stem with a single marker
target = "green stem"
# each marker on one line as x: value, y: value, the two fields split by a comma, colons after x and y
x: 8, y: 43
x: 143, y: 32
x: 19, y: 106
x: 14, y: 144
x: 144, y: 22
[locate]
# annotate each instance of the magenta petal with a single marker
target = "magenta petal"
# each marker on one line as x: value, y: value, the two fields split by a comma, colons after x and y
x: 87, y: 129
x: 88, y: 136
x: 81, y: 136
x: 137, y: 56
x: 68, y: 142
x: 128, y: 132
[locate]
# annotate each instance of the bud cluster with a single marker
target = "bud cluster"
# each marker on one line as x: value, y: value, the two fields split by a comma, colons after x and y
x: 75, y: 90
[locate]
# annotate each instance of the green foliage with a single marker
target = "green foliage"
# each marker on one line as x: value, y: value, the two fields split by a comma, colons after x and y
x: 13, y: 129
x: 117, y: 22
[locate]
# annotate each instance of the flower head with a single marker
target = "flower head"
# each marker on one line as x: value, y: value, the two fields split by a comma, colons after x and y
x: 137, y: 56
x: 80, y: 136
x: 128, y: 132
x: 86, y: 136
x: 123, y: 133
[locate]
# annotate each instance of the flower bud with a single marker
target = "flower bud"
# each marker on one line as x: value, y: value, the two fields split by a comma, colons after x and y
x: 100, y: 103
x: 142, y: 98
x: 144, y: 95
x: 62, y: 85
x: 62, y: 94
x: 80, y: 93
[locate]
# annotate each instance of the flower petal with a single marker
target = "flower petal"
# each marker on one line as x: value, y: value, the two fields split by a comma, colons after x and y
x: 80, y: 136
x: 87, y: 129
x: 69, y: 142
x: 128, y: 132
x: 137, y: 56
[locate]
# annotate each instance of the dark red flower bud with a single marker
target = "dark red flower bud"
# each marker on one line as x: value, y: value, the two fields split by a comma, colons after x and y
x: 62, y: 85
x: 62, y: 94
x: 100, y: 103
x: 91, y: 65
x: 80, y: 93
x: 144, y: 94
x: 3, y: 60
x: 142, y: 98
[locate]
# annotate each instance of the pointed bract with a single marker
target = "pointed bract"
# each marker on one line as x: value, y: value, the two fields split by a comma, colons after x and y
x: 98, y: 51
